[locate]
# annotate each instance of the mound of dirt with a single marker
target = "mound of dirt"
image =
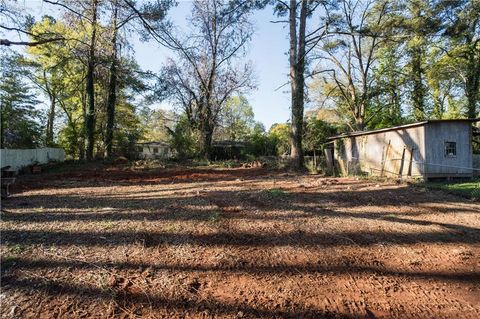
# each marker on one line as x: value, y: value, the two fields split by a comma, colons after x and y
x: 254, y: 164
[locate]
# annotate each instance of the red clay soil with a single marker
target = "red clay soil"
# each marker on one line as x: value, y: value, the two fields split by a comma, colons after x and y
x: 235, y: 243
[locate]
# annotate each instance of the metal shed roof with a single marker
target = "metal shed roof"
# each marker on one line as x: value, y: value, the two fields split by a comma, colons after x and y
x: 393, y: 128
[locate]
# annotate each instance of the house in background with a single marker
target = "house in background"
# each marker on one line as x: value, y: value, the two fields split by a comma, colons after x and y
x: 153, y: 150
x: 428, y: 149
x: 226, y: 150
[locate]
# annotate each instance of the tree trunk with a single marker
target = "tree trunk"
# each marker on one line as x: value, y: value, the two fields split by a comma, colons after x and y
x: 472, y: 85
x: 360, y: 119
x: 438, y: 108
x: 472, y: 97
x: 50, y: 120
x: 90, y: 88
x: 207, y: 134
x: 297, y: 80
x: 418, y: 94
x: 51, y: 112
x: 2, y: 130
x: 112, y: 89
x: 81, y: 145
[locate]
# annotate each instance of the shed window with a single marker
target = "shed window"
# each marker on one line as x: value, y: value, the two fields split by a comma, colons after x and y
x: 450, y: 149
x: 155, y: 150
x: 139, y: 149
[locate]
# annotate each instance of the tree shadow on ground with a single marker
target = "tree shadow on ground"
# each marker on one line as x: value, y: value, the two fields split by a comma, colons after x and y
x: 247, y: 205
x: 128, y: 298
x: 293, y: 205
x: 235, y: 239
x: 345, y: 266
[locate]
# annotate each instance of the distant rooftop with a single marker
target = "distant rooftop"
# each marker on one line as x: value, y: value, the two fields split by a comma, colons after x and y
x: 153, y: 143
x: 393, y: 128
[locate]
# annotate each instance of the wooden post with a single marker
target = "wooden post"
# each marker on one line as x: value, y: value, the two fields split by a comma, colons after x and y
x: 400, y: 171
x: 330, y: 161
x: 382, y: 172
x: 410, y: 162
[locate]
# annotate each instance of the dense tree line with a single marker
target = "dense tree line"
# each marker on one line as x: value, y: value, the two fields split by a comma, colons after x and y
x: 379, y: 63
x: 390, y: 62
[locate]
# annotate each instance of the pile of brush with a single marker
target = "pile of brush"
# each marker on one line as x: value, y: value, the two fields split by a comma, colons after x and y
x: 254, y: 164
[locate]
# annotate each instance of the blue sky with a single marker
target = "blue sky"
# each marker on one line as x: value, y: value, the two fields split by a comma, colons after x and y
x: 267, y: 51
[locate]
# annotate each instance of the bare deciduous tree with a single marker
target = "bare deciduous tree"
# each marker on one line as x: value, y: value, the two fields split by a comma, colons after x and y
x: 205, y: 74
x: 350, y: 53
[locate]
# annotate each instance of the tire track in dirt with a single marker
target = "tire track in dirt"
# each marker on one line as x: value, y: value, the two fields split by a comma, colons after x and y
x: 225, y: 244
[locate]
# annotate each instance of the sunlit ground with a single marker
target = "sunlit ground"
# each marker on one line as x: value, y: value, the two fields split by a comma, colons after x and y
x: 237, y: 243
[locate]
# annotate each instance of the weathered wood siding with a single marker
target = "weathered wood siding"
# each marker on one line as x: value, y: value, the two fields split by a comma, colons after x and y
x: 413, y: 151
x: 476, y: 164
x: 391, y: 153
x: 437, y: 163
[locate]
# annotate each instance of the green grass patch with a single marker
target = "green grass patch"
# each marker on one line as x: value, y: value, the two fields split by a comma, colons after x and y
x: 275, y: 193
x: 215, y: 217
x: 8, y: 261
x: 391, y: 216
x: 470, y: 189
x: 16, y: 249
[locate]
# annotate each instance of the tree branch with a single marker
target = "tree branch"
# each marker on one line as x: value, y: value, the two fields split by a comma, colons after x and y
x: 7, y: 42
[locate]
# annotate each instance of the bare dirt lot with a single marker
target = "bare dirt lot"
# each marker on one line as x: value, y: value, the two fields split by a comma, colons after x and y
x: 239, y: 243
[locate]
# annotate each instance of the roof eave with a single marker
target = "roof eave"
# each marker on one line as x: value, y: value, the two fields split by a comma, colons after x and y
x: 360, y: 133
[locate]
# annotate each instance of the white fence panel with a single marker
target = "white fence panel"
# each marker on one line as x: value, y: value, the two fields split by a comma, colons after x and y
x: 17, y: 158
